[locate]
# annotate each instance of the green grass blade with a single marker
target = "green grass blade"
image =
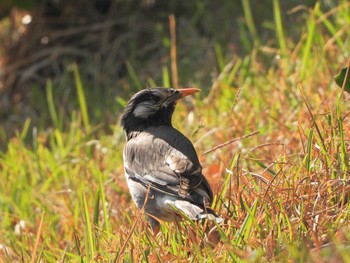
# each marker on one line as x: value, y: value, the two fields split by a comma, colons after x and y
x: 97, y: 208
x: 249, y: 19
x: 166, y: 78
x: 51, y: 104
x: 151, y: 83
x: 262, y: 165
x: 343, y: 152
x: 234, y: 71
x: 133, y: 76
x: 88, y: 230
x: 247, y: 226
x: 219, y: 57
x: 279, y: 26
x: 103, y: 201
x: 25, y: 129
x: 309, y: 41
x: 81, y: 97
x: 121, y: 101
x: 308, y: 157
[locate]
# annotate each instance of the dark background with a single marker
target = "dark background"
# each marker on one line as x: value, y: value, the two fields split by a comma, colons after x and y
x: 120, y: 47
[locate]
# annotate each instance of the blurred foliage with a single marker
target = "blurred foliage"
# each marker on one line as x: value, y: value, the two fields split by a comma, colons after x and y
x: 7, y: 5
x: 121, y: 46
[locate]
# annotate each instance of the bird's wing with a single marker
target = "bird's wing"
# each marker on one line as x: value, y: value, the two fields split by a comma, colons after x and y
x: 158, y: 163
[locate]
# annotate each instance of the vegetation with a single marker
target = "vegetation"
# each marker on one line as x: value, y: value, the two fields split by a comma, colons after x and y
x: 272, y: 133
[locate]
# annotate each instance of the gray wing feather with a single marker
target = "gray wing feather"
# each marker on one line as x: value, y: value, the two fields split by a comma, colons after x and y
x: 159, y: 161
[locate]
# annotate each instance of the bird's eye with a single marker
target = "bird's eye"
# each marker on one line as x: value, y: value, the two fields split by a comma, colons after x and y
x: 155, y: 99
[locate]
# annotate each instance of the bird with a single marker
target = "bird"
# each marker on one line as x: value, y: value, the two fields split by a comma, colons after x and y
x: 161, y: 166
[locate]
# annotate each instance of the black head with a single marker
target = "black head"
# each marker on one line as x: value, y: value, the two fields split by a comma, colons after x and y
x: 152, y: 107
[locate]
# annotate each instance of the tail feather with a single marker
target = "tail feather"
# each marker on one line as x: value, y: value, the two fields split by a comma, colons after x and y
x: 194, y: 212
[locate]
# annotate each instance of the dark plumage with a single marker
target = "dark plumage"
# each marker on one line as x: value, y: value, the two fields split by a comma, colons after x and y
x: 160, y: 158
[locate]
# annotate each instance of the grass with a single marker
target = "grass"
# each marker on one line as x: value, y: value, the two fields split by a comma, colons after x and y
x: 283, y: 191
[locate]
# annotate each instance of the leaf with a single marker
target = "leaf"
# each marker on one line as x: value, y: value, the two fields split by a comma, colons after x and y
x: 340, y: 79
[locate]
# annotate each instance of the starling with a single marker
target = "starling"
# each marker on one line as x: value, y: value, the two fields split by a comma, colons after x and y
x: 161, y: 166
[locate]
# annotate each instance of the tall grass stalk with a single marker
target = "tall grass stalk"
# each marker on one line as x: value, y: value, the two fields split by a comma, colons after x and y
x: 89, y: 236
x: 133, y: 76
x: 25, y: 129
x: 103, y: 202
x: 343, y: 151
x: 306, y: 59
x: 51, y: 104
x: 279, y: 26
x: 249, y: 19
x: 308, y: 157
x: 81, y: 97
x: 166, y: 78
x: 219, y: 57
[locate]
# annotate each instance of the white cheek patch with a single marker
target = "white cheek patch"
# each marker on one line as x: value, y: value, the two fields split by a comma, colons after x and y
x: 145, y: 110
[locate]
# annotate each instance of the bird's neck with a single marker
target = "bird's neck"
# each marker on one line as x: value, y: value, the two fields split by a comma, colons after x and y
x: 135, y: 126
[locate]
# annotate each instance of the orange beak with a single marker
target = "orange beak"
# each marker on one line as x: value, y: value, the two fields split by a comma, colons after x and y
x: 187, y: 91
